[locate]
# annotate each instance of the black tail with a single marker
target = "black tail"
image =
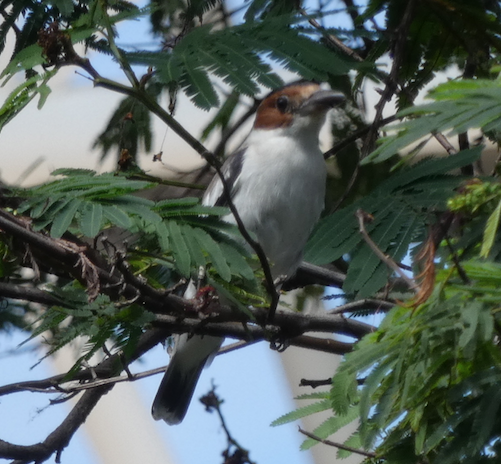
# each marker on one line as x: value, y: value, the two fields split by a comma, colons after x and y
x: 175, y: 392
x: 180, y: 379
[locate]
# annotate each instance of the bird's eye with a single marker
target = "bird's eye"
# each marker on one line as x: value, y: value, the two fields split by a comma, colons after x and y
x: 282, y: 103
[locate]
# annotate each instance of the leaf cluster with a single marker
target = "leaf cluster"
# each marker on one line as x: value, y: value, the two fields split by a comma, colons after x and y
x: 401, y: 208
x: 430, y: 375
x: 28, y: 17
x: 161, y: 242
x: 236, y: 56
x: 181, y: 233
x: 97, y: 324
x: 463, y: 34
x: 458, y: 106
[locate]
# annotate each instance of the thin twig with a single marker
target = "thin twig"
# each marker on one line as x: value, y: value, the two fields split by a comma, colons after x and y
x: 234, y: 450
x: 355, y: 136
x: 315, y: 383
x: 442, y: 140
x: 62, y: 435
x: 392, y: 80
x: 236, y: 346
x: 54, y: 384
x: 325, y: 345
x: 361, y: 216
x: 367, y: 454
x: 333, y: 40
x: 362, y: 304
x: 117, y: 53
x: 286, y: 325
x: 455, y: 258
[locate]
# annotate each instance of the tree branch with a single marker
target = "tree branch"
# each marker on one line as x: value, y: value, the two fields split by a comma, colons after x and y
x: 392, y: 80
x: 361, y: 216
x: 366, y: 303
x: 285, y: 326
x: 338, y: 445
x: 22, y: 292
x: 61, y: 436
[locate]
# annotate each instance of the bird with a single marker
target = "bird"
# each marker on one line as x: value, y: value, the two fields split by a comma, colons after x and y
x: 277, y: 185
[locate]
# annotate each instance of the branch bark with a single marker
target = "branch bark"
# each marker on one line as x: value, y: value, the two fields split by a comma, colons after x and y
x: 392, y: 81
x: 61, y: 436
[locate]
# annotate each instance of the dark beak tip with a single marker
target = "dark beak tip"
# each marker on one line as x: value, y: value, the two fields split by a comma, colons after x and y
x: 336, y: 99
x: 325, y: 98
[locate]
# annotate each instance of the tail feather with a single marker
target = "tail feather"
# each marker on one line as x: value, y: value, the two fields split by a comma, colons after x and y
x: 175, y: 392
x: 179, y: 381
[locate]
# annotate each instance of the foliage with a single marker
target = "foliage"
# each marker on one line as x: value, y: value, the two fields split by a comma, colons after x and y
x: 98, y: 321
x: 401, y: 209
x: 425, y: 384
x: 458, y: 106
x: 175, y: 231
x: 430, y: 375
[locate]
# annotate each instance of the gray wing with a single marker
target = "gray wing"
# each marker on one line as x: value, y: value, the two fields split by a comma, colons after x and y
x: 179, y: 382
x: 231, y: 169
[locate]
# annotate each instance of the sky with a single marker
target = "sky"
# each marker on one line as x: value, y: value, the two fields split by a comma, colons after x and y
x: 251, y: 381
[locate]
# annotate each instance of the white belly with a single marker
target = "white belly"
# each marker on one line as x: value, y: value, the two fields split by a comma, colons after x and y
x: 282, y: 200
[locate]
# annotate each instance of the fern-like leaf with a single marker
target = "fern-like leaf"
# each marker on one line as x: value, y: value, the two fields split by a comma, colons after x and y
x: 490, y: 231
x: 302, y: 412
x: 331, y: 426
x: 458, y: 106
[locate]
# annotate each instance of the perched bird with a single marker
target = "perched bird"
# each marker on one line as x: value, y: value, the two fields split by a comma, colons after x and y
x: 277, y: 184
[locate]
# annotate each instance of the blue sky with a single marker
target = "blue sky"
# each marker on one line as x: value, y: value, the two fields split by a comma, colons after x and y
x: 250, y: 381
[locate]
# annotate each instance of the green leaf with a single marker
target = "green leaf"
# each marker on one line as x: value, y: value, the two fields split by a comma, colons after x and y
x: 458, y: 105
x: 490, y: 231
x: 236, y: 261
x: 17, y: 100
x: 91, y: 219
x: 302, y: 412
x: 117, y: 216
x: 331, y: 426
x: 196, y: 252
x: 470, y: 319
x: 66, y: 7
x: 44, y: 91
x: 208, y: 244
x: 64, y: 218
x: 27, y: 58
x: 179, y: 249
x: 163, y: 236
x: 353, y: 442
x: 139, y: 207
x: 67, y: 172
x: 196, y: 84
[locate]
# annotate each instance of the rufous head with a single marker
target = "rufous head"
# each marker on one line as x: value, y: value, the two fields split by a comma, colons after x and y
x: 300, y: 103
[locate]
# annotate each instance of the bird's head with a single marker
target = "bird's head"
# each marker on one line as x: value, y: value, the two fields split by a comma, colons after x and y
x: 299, y: 106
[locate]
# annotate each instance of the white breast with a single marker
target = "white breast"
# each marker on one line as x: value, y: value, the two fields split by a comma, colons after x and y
x: 280, y: 194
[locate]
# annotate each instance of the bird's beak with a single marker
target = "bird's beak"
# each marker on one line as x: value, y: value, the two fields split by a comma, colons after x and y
x: 322, y: 100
